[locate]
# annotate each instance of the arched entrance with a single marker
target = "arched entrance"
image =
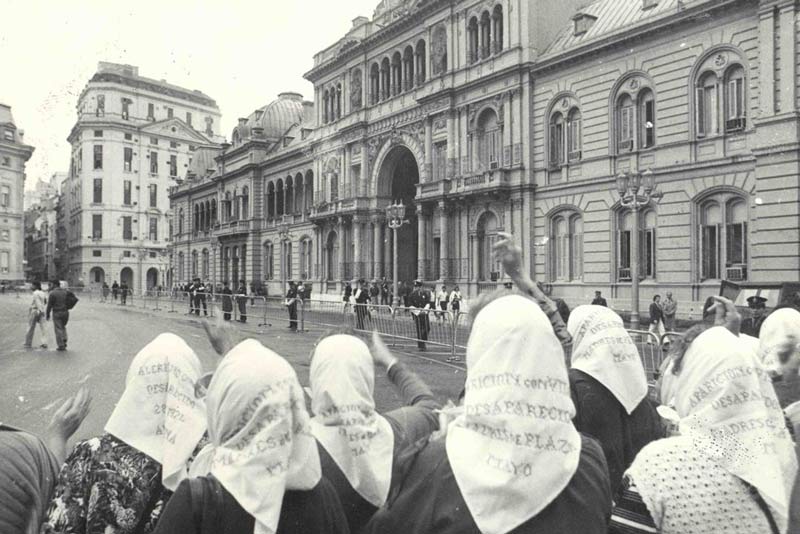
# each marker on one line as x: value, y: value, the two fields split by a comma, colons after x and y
x: 331, y: 256
x: 126, y: 277
x: 398, y: 179
x: 96, y: 277
x: 152, y: 278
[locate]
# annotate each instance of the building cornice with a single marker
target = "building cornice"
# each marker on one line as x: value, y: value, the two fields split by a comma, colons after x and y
x: 24, y: 151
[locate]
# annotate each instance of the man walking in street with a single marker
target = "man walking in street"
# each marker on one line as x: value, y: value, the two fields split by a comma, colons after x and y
x: 36, y: 315
x: 59, y: 302
x: 123, y: 293
x: 420, y: 303
x: 292, y: 297
x: 241, y: 298
x: 670, y: 308
x: 656, y: 320
x: 599, y: 300
x: 227, y: 302
x: 115, y: 290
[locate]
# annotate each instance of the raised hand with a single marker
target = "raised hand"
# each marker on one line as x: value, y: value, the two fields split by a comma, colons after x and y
x: 727, y: 315
x: 509, y: 253
x: 220, y: 335
x: 381, y: 353
x: 66, y: 421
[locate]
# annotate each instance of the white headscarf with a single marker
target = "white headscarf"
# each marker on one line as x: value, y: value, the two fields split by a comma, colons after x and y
x: 158, y: 413
x: 359, y: 440
x: 603, y: 349
x: 728, y: 407
x: 514, y: 449
x: 779, y: 330
x: 261, y: 445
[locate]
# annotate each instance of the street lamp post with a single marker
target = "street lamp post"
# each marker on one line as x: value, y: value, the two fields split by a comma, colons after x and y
x: 629, y: 185
x: 396, y: 217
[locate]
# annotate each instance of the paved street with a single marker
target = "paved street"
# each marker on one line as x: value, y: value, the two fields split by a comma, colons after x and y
x: 104, y: 338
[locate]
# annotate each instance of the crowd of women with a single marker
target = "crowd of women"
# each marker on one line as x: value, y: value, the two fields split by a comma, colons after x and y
x: 531, y: 446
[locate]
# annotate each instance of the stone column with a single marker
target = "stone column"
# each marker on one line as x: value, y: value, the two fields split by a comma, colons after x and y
x: 508, y: 137
x: 473, y: 260
x: 421, y: 242
x: 428, y: 149
x: 357, y: 270
x: 788, y: 61
x: 341, y: 257
x: 346, y: 173
x: 377, y: 247
x: 452, y: 155
x: 444, y: 239
x: 364, y: 185
x: 386, y: 235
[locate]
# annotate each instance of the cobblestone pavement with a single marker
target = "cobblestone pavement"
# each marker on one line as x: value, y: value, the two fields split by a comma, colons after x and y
x: 104, y: 338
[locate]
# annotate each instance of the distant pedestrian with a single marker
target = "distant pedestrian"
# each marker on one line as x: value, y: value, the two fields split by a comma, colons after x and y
x: 405, y: 294
x: 59, y: 302
x: 441, y: 303
x: 758, y: 312
x: 374, y: 292
x: 36, y: 315
x: 123, y: 292
x: 420, y: 304
x: 106, y: 291
x: 241, y: 298
x: 656, y: 320
x: 670, y: 308
x: 227, y: 302
x: 115, y: 290
x: 599, y: 300
x: 362, y: 298
x: 455, y: 300
x: 348, y: 292
x: 201, y: 298
x: 385, y: 301
x: 291, y: 305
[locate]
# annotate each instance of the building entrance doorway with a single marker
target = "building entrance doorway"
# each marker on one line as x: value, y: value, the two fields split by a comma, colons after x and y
x: 398, y: 181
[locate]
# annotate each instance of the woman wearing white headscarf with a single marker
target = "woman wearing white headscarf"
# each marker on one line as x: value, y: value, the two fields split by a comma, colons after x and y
x: 609, y: 388
x: 732, y: 468
x: 261, y: 472
x: 780, y: 345
x: 513, y: 461
x: 359, y: 448
x: 119, y: 481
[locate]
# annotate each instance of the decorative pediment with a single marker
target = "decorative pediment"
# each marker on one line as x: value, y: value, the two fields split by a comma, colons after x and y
x: 176, y: 128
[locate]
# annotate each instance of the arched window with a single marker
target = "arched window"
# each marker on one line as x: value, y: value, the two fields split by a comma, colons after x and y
x: 287, y: 259
x: 474, y: 40
x: 279, y: 198
x: 723, y: 236
x: 556, y: 139
x: 490, y: 140
x: 338, y: 101
x: 647, y: 245
x: 194, y: 263
x: 309, y: 188
x: 488, y: 267
x: 269, y: 261
x: 497, y: 28
x: 289, y: 195
x: 397, y: 75
x: 245, y: 203
x: 566, y: 247
x: 735, y: 104
x: 334, y: 183
x: 707, y: 105
x: 214, y: 211
x: 374, y: 84
x: 325, y: 107
x: 271, y: 200
x: 386, y: 75
x: 207, y: 211
x: 331, y: 256
x: 306, y: 262
x: 421, y: 58
x: 196, y: 226
x: 486, y: 35
x: 574, y: 135
x: 180, y: 223
x: 626, y: 123
x: 205, y: 264
x: 647, y: 119
x: 408, y: 68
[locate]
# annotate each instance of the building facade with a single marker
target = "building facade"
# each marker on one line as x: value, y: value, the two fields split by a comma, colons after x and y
x: 40, y: 240
x: 484, y: 117
x: 44, y: 190
x: 133, y: 138
x: 14, y: 154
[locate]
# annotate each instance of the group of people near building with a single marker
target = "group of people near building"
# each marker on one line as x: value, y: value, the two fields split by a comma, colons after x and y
x: 117, y: 291
x: 55, y: 303
x: 535, y: 444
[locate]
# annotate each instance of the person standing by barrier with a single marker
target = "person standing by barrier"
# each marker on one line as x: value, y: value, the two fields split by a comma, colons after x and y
x: 241, y: 298
x: 420, y: 304
x: 36, y: 315
x: 656, y: 320
x: 105, y: 292
x: 227, y: 301
x: 441, y: 303
x: 670, y: 308
x: 348, y: 292
x: 362, y: 298
x: 385, y: 301
x: 115, y: 290
x: 123, y: 292
x: 59, y: 302
x: 201, y: 298
x: 292, y: 296
x: 455, y: 301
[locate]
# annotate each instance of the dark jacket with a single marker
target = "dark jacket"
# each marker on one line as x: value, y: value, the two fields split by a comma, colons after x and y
x: 600, y: 301
x: 57, y: 301
x: 656, y: 314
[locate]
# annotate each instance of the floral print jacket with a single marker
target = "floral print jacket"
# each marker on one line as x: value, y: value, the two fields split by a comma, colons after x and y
x: 107, y: 487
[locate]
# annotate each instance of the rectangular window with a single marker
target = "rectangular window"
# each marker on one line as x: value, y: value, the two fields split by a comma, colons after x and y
x: 188, y: 118
x: 125, y: 108
x: 126, y: 253
x: 154, y: 140
x: 153, y: 195
x: 574, y: 139
x: 128, y: 137
x: 126, y: 192
x: 735, y: 99
x: 98, y: 133
x: 6, y: 161
x: 153, y: 162
x: 97, y: 226
x: 5, y: 196
x: 127, y: 232
x: 647, y: 253
x: 624, y: 259
x: 128, y: 165
x: 709, y: 251
x: 151, y: 112
x: 736, y: 244
x: 152, y: 254
x: 170, y: 113
x: 5, y: 261
x: 173, y: 165
x: 97, y: 253
x: 101, y: 105
x: 97, y: 196
x: 173, y: 144
x: 556, y: 144
x: 98, y: 156
x: 649, y: 124
x: 626, y: 128
x: 153, y: 228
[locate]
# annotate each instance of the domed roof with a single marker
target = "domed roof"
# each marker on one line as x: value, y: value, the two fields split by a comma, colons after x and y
x: 279, y: 115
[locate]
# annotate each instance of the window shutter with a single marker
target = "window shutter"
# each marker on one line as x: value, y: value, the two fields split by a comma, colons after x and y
x: 700, y: 105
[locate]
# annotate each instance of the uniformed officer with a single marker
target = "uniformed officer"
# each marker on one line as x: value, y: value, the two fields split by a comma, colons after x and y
x: 758, y: 312
x: 420, y: 303
x: 362, y: 298
x: 291, y: 304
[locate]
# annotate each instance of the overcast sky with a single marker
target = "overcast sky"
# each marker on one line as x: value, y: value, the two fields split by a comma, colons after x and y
x: 240, y: 53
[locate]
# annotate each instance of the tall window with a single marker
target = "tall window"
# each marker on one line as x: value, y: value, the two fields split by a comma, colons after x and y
x: 173, y: 165
x: 490, y: 140
x: 127, y: 228
x: 710, y: 246
x: 151, y: 111
x: 736, y: 240
x: 153, y: 229
x: 647, y: 245
x: 556, y: 139
x: 97, y: 226
x: 126, y: 192
x: 574, y: 135
x: 98, y: 156
x: 488, y: 267
x: 246, y: 203
x: 194, y: 263
x: 153, y: 195
x: 180, y: 221
x: 647, y: 119
x: 374, y: 84
x: 125, y: 108
x: 707, y: 105
x: 566, y: 247
x: 734, y: 99
x: 269, y: 261
x: 128, y: 161
x: 306, y: 265
x: 625, y: 124
x: 5, y: 261
x: 334, y: 179
x: 5, y: 196
x: 188, y: 118
x: 497, y: 29
x: 170, y: 113
x: 287, y: 259
x: 101, y: 105
x: 97, y: 191
x: 204, y: 270
x: 473, y: 40
x: 440, y: 161
x: 153, y: 162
